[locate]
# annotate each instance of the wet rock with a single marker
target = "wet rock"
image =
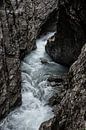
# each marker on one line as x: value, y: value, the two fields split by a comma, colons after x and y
x: 56, y: 78
x: 52, y: 124
x: 60, y: 84
x: 65, y: 46
x: 54, y: 100
x: 20, y: 22
x: 44, y: 61
x: 70, y: 105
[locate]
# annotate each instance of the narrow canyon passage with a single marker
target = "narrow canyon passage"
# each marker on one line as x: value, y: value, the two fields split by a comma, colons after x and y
x: 35, y: 90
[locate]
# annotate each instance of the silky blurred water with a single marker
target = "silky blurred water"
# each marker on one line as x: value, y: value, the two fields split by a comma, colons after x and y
x: 35, y: 90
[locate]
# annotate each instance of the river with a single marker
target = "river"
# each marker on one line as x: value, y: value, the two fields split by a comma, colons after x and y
x: 35, y: 90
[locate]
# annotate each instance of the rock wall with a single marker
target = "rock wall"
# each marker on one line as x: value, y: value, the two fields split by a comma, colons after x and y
x: 70, y: 104
x: 20, y: 22
x: 71, y: 32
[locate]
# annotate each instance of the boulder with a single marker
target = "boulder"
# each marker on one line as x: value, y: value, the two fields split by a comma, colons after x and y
x: 65, y: 46
x: 44, y: 61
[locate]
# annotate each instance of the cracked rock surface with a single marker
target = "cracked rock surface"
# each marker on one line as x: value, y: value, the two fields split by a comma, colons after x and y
x: 69, y: 104
x: 20, y: 21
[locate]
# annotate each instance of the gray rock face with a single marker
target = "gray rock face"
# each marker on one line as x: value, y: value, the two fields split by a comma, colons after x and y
x: 65, y: 47
x: 71, y: 32
x: 70, y: 104
x: 44, y: 61
x: 20, y: 21
x: 52, y: 124
x: 73, y: 104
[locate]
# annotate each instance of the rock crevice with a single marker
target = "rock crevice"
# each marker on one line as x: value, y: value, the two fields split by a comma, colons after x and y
x: 20, y: 21
x: 65, y: 47
x: 71, y: 32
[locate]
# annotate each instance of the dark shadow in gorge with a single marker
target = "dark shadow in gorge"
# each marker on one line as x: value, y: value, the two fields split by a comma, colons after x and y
x: 49, y: 24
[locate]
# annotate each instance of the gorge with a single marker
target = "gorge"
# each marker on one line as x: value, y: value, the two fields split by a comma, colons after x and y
x: 30, y: 82
x: 20, y: 23
x: 35, y: 90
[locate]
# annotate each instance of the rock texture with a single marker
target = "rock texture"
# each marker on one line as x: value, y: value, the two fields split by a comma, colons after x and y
x: 52, y: 124
x: 70, y: 104
x: 20, y: 22
x: 66, y: 45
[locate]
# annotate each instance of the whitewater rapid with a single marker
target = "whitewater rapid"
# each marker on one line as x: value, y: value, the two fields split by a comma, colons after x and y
x: 35, y: 90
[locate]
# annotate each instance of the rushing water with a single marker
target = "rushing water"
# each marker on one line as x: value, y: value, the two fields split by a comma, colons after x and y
x: 35, y: 90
